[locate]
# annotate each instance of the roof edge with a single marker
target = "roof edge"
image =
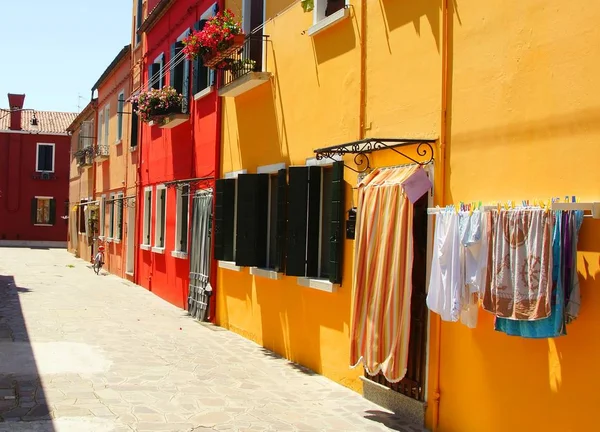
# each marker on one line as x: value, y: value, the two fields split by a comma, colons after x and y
x: 84, y: 113
x: 155, y: 14
x: 126, y: 50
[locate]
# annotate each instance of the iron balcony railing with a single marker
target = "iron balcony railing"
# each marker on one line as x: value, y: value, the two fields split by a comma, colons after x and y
x: 249, y: 58
x: 84, y: 156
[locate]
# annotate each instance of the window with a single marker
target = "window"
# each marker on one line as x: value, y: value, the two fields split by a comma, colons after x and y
x: 44, y: 157
x: 43, y: 211
x: 106, y: 124
x: 120, y: 109
x: 315, y: 220
x: 100, y: 126
x: 134, y: 126
x: 325, y: 8
x: 156, y: 73
x: 181, y: 232
x: 138, y: 20
x: 250, y: 217
x: 111, y: 216
x: 203, y: 78
x: 81, y: 216
x: 86, y: 134
x: 180, y: 71
x: 102, y: 215
x: 147, y: 215
x: 161, y: 207
x: 119, y: 217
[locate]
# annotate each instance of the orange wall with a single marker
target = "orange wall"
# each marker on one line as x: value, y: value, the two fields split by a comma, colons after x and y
x: 525, y: 124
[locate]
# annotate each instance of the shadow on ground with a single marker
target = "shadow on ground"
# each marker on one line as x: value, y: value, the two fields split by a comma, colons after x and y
x: 23, y: 403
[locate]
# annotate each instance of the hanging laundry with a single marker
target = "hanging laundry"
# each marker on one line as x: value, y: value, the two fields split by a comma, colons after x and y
x: 475, y: 235
x: 521, y: 269
x: 445, y: 284
x: 574, y: 298
x: 417, y: 185
x: 382, y: 285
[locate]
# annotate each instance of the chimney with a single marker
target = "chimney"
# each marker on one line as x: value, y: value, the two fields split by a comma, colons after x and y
x: 15, y: 103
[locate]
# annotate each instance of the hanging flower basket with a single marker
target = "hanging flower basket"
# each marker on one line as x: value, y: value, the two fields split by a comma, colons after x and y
x: 221, y: 36
x: 154, y: 105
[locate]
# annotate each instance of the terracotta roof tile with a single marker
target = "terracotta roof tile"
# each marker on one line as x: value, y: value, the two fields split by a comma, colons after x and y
x: 48, y: 121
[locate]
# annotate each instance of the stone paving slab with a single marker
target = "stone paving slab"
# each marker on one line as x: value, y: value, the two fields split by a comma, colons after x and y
x: 87, y: 353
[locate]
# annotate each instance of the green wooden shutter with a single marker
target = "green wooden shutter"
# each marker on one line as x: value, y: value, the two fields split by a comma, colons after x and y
x: 52, y: 206
x: 297, y: 220
x: 33, y: 211
x: 314, y: 221
x: 120, y: 219
x: 281, y: 220
x: 224, y: 219
x: 172, y: 74
x: 336, y: 242
x: 252, y: 218
x: 196, y: 65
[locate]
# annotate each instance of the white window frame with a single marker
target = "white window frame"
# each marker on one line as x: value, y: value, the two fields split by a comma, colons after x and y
x: 47, y: 198
x: 106, y: 124
x: 102, y: 216
x: 230, y: 265
x: 119, y: 216
x: 120, y: 122
x: 321, y: 22
x: 37, y: 156
x: 161, y: 73
x: 111, y: 216
x: 147, y: 222
x: 177, y: 252
x: 162, y: 223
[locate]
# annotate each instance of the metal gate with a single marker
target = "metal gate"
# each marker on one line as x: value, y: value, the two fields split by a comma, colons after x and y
x: 200, y: 289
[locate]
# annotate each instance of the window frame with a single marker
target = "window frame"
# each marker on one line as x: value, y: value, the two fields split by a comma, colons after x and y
x: 177, y: 250
x: 160, y: 61
x: 138, y: 23
x: 49, y: 199
x: 111, y: 216
x: 321, y: 21
x: 200, y: 89
x: 272, y: 171
x: 100, y: 127
x: 147, y: 222
x: 231, y: 264
x: 119, y: 200
x: 37, y: 156
x: 120, y: 109
x: 106, y: 124
x: 162, y: 223
x: 102, y: 216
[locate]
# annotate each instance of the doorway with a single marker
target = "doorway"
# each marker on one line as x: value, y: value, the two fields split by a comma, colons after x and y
x: 413, y: 383
x: 200, y: 289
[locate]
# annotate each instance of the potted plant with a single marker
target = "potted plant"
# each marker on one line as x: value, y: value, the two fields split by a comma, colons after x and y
x: 220, y: 36
x: 155, y: 104
x: 242, y: 67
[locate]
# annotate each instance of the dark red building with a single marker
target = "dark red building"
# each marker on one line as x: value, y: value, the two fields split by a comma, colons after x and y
x: 179, y: 160
x: 34, y: 175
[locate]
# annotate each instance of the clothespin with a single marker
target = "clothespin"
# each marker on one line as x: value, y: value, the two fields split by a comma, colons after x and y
x: 573, y: 199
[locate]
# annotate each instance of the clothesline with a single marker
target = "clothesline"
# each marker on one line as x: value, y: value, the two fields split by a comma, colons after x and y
x: 592, y: 207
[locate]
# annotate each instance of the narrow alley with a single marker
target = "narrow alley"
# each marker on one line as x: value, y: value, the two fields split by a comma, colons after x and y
x: 80, y: 352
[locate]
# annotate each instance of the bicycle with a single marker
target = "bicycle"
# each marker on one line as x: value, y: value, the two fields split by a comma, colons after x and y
x: 99, y: 260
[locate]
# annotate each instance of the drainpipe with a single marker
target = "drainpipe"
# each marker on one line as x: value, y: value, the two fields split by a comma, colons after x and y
x: 441, y: 200
x: 217, y: 171
x: 139, y: 192
x: 363, y: 67
x: 94, y: 177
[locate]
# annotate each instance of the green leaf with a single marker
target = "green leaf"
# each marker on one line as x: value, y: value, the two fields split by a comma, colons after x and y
x: 307, y: 5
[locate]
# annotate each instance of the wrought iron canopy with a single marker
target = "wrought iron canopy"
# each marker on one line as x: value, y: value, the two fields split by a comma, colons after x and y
x: 361, y: 150
x: 193, y: 183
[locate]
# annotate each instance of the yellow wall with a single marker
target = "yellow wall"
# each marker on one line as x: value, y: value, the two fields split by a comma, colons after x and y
x: 525, y: 124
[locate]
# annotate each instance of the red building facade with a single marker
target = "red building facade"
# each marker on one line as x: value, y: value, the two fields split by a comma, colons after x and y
x: 176, y: 162
x: 34, y: 179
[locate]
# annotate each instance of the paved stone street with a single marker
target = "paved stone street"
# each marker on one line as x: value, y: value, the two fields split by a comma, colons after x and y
x: 80, y: 353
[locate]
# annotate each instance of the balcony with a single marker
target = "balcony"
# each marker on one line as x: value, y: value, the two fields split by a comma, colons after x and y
x: 44, y: 175
x: 84, y: 157
x: 245, y: 68
x: 102, y: 153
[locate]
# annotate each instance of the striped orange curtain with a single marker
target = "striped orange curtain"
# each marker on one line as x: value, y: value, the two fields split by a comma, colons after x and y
x: 382, y: 284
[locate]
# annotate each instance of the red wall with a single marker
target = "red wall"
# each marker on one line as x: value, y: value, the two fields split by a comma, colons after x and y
x: 18, y: 187
x: 186, y: 151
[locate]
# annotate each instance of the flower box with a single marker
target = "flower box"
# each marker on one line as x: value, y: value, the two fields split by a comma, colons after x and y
x: 213, y: 59
x: 171, y: 120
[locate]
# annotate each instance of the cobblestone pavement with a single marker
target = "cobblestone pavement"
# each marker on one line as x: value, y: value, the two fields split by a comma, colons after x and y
x: 82, y: 353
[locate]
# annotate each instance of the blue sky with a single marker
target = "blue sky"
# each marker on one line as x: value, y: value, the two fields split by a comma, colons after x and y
x: 54, y: 51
